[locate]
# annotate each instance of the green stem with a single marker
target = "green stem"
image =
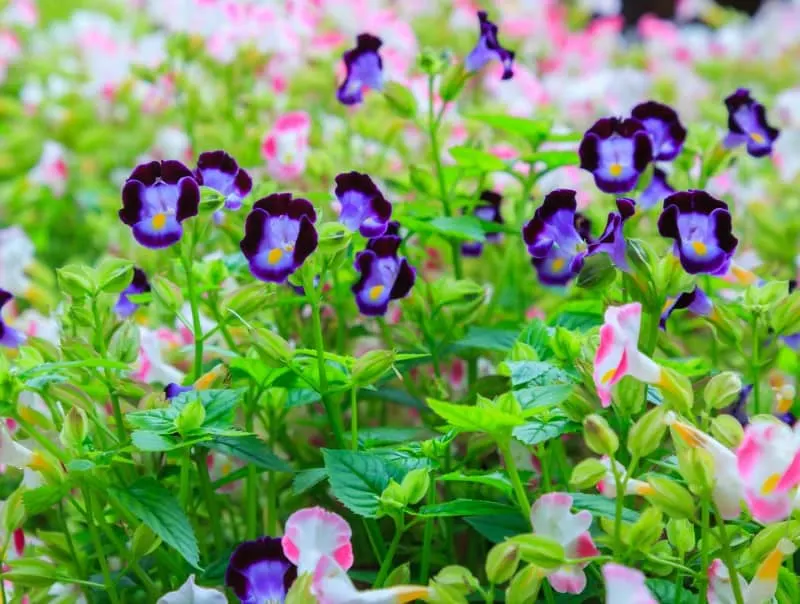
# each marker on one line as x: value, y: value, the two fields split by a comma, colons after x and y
x: 45, y: 443
x: 272, y: 484
x: 111, y: 588
x: 112, y: 393
x: 386, y: 565
x: 618, y: 508
x: 704, y: 538
x: 548, y: 593
x: 197, y: 329
x: 252, y: 489
x: 70, y: 543
x: 186, y: 467
x: 427, y: 540
x: 727, y: 554
x: 211, y: 502
x: 354, y: 418
x: 513, y: 474
x: 755, y: 366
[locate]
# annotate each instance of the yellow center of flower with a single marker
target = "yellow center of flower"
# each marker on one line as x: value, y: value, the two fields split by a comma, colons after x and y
x: 558, y: 264
x: 688, y: 434
x: 744, y: 276
x: 770, y: 484
x: 375, y: 292
x: 608, y: 375
x: 699, y: 248
x: 274, y: 256
x: 288, y: 248
x: 770, y: 566
x: 38, y: 462
x: 159, y: 221
x: 757, y: 138
x: 615, y: 169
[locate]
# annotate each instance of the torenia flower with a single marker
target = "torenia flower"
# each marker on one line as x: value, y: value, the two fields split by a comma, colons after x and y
x: 285, y: 147
x: 664, y: 127
x: 768, y: 461
x: 279, y: 236
x: 156, y: 199
x: 10, y: 338
x: 139, y: 285
x: 364, y: 208
x: 190, y: 593
x: 658, y: 190
x: 384, y: 276
x: 151, y: 365
x: 747, y: 124
x: 626, y: 585
x: 489, y: 48
x: 618, y: 354
x: 172, y: 390
x: 608, y: 485
x: 313, y: 533
x: 612, y: 241
x: 11, y: 452
x: 616, y: 152
x: 553, y: 239
x: 331, y: 585
x: 259, y: 571
x: 488, y: 210
x: 51, y: 171
x: 702, y: 229
x: 695, y: 301
x: 760, y: 590
x: 727, y: 489
x: 364, y: 70
x: 219, y: 171
x: 16, y: 253
x: 551, y: 517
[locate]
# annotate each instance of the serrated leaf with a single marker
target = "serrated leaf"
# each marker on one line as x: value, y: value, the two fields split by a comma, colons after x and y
x: 153, y: 442
x: 536, y: 431
x: 666, y: 593
x: 250, y: 449
x: 475, y: 158
x: 581, y: 315
x: 308, y: 479
x: 537, y: 335
x: 496, y: 480
x: 468, y: 418
x: 499, y: 527
x: 357, y: 479
x: 465, y: 507
x: 484, y: 338
x: 157, y: 421
x: 219, y: 405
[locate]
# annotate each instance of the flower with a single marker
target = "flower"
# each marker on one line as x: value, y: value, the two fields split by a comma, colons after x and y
x: 364, y: 208
x: 607, y: 487
x: 656, y: 191
x: 285, y: 147
x: 551, y: 517
x: 190, y: 593
x: 747, y: 124
x: 219, y: 171
x: 51, y: 171
x: 151, y: 366
x: 11, y: 452
x: 156, y: 199
x: 331, y: 585
x: 384, y: 276
x: 139, y: 285
x: 702, y: 230
x: 612, y: 241
x: 618, y: 354
x: 768, y: 461
x: 9, y: 337
x: 664, y: 127
x: 625, y: 585
x: 16, y: 254
x: 172, y: 390
x: 259, y: 571
x: 553, y: 239
x: 364, y: 70
x: 490, y: 212
x: 489, y: 48
x: 616, y: 152
x: 279, y: 236
x: 761, y: 589
x: 696, y: 301
x: 312, y: 533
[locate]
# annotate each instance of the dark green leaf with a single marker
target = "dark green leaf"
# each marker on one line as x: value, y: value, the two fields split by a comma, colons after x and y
x: 665, y: 592
x: 537, y: 335
x: 153, y: 442
x: 250, y: 449
x: 581, y: 315
x: 302, y: 396
x: 601, y: 506
x: 534, y: 397
x: 158, y: 421
x: 484, y: 338
x: 536, y: 432
x: 391, y: 395
x: 497, y: 480
x: 371, y: 437
x: 308, y: 479
x: 357, y: 479
x: 537, y: 373
x: 466, y: 507
x: 499, y: 527
x: 219, y: 404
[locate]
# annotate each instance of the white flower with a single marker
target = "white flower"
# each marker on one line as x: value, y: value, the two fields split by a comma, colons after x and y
x: 16, y: 253
x: 189, y: 593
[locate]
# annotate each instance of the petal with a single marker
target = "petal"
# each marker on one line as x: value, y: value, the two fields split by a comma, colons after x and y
x: 147, y: 173
x: 588, y: 152
x: 188, y: 199
x: 255, y: 225
x: 189, y: 593
x: 307, y: 240
x: 312, y: 533
x: 132, y: 202
x: 172, y: 171
x: 155, y: 235
x: 568, y: 580
x: 625, y: 585
x: 404, y: 281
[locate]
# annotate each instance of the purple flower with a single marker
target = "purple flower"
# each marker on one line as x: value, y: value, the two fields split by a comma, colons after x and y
x: 364, y: 208
x: 792, y: 340
x: 139, y: 285
x: 384, y: 276
x: 695, y: 301
x: 10, y: 338
x: 616, y: 152
x: 219, y: 171
x: 259, y: 571
x: 490, y: 212
x: 658, y: 190
x: 747, y: 124
x: 612, y: 241
x: 172, y: 390
x: 364, y: 70
x: 279, y: 236
x: 702, y: 230
x: 156, y: 199
x: 739, y: 409
x: 664, y: 127
x: 489, y: 48
x: 553, y: 239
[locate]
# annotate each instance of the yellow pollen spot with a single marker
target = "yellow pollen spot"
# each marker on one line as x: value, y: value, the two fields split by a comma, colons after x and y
x: 608, y: 375
x: 558, y: 264
x: 784, y: 404
x: 770, y: 566
x: 27, y: 414
x: 615, y: 169
x: 744, y: 276
x: 699, y: 248
x: 226, y: 468
x: 770, y: 484
x: 159, y: 221
x: 689, y: 435
x: 667, y: 304
x: 274, y: 255
x: 644, y: 489
x: 288, y: 247
x: 38, y: 462
x: 411, y: 593
x: 375, y: 292
x: 757, y: 138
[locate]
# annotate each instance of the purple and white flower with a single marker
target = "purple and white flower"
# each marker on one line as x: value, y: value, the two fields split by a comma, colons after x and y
x: 488, y: 48
x: 139, y: 285
x: 612, y: 241
x: 747, y: 124
x: 616, y: 152
x: 658, y: 190
x: 259, y: 571
x: 695, y: 301
x: 664, y: 127
x: 172, y: 390
x: 489, y: 211
x: 384, y: 276
x: 364, y: 208
x: 10, y: 338
x: 364, y: 70
x: 219, y: 171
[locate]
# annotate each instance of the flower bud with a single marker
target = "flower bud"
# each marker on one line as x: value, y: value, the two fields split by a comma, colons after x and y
x: 541, y: 551
x: 599, y: 436
x: 671, y: 497
x: 458, y: 577
x: 272, y: 347
x: 76, y: 280
x: 432, y: 62
x: 566, y: 345
x: 75, y: 429
x: 677, y: 391
x: 670, y: 278
x: 449, y: 292
x: 523, y: 352
x: 372, y: 366
x: 767, y: 540
x: 400, y: 99
x: 144, y: 542
x: 416, y: 484
x: 70, y: 396
x: 333, y: 238
x: 785, y: 315
x: 640, y: 257
x: 727, y: 430
x: 114, y: 275
x: 393, y: 499
x: 442, y: 593
x: 300, y: 592
x: 211, y: 200
x: 502, y: 562
x: 247, y: 300
x: 524, y: 587
x: 166, y: 293
x: 680, y: 533
x: 12, y: 512
x: 587, y: 474
x: 452, y: 84
x: 191, y: 417
x: 722, y: 390
x: 48, y: 466
x: 646, y: 434
x: 124, y: 344
x: 399, y: 576
x: 598, y: 273
x: 699, y: 466
x: 647, y: 529
x: 654, y: 565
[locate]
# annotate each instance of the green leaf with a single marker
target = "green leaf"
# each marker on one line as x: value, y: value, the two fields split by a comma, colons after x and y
x: 537, y: 335
x: 387, y: 394
x: 690, y: 367
x: 497, y: 480
x: 357, y: 479
x: 80, y: 465
x: 475, y: 158
x: 468, y: 418
x: 250, y: 449
x: 465, y: 507
x: 601, y: 506
x: 43, y: 498
x: 665, y: 592
x: 499, y: 527
x: 308, y: 479
x: 554, y: 159
x: 157, y: 421
x: 581, y: 315
x: 486, y: 338
x: 534, y: 130
x: 537, y: 373
x: 463, y: 228
x: 371, y: 437
x: 298, y: 397
x: 48, y: 368
x: 220, y: 405
x: 152, y: 441
x: 536, y: 431
x: 160, y: 511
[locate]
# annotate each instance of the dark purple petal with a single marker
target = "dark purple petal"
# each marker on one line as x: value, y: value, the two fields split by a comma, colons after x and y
x: 364, y: 208
x: 300, y: 207
x: 306, y: 241
x: 172, y: 390
x: 616, y: 152
x: 664, y: 127
x: 383, y: 276
x: 747, y: 124
x: 253, y: 232
x: 275, y: 204
x: 656, y: 191
x: 588, y: 153
x: 188, y: 199
x: 385, y: 246
x: 5, y: 297
x: 147, y: 173
x: 10, y: 338
x: 132, y: 202
x: 612, y: 241
x: 218, y: 170
x: 739, y: 408
x: 404, y: 281
x: 488, y: 48
x: 364, y: 70
x: 172, y: 171
x: 139, y: 285
x: 490, y: 212
x: 695, y: 301
x: 259, y: 571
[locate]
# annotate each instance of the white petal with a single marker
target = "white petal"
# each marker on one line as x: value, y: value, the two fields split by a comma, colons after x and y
x: 189, y: 593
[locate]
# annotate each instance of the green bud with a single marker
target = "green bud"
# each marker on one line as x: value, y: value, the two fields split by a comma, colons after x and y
x: 541, y: 551
x: 671, y: 497
x: 191, y: 417
x: 677, y: 391
x: 442, y: 593
x: 393, y: 499
x: 30, y: 572
x: 272, y: 347
x: 700, y: 466
x: 422, y: 180
x: 400, y: 100
x: 300, y: 592
x: 768, y: 294
x: 523, y: 352
x: 431, y: 62
x: 680, y: 533
x: 210, y: 200
x: 598, y: 273
x: 599, y: 436
x: 124, y: 344
x: 416, y: 484
x: 670, y: 278
x: 587, y: 474
x: 502, y: 562
x: 144, y: 542
x: 727, y: 430
x: 76, y: 280
x: 458, y: 577
x: 28, y: 358
x: 640, y: 257
x: 653, y: 565
x: 247, y: 300
x: 579, y: 405
x: 566, y: 345
x: 524, y: 587
x: 167, y: 293
x: 12, y: 513
x: 722, y: 390
x: 75, y: 428
x: 453, y: 82
x: 114, y: 275
x: 399, y: 576
x: 372, y: 366
x: 647, y: 529
x: 46, y: 350
x: 333, y: 238
x: 767, y: 540
x: 71, y: 396
x: 646, y: 434
x: 785, y: 315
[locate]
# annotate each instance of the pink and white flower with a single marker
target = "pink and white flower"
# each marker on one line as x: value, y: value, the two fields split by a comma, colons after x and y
x: 51, y: 171
x: 551, y: 516
x: 312, y: 533
x: 626, y: 585
x: 286, y: 146
x: 760, y: 590
x: 151, y: 365
x: 608, y: 486
x: 331, y: 585
x: 16, y: 253
x: 618, y: 354
x: 191, y: 593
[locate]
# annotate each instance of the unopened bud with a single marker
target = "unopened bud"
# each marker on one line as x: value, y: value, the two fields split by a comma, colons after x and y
x: 431, y: 62
x: 523, y: 352
x: 399, y: 576
x: 400, y: 99
x: 416, y: 484
x: 452, y: 84
x: 144, y: 542
x: 458, y: 577
x: 502, y: 562
x: 599, y: 436
x: 727, y: 430
x: 76, y: 280
x: 70, y: 396
x: 333, y: 238
x: 272, y: 347
x: 300, y: 592
x: 114, y: 275
x: 671, y: 497
x: 247, y: 299
x: 646, y: 434
x: 677, y: 391
x: 680, y: 533
x: 785, y: 315
x: 166, y: 293
x: 647, y: 529
x: 524, y: 587
x: 12, y: 513
x: 722, y: 390
x: 442, y: 593
x: 598, y: 273
x: 670, y: 278
x: 372, y: 366
x: 191, y: 417
x: 124, y: 344
x: 75, y: 428
x: 700, y: 469
x: 587, y: 474
x: 767, y: 540
x: 566, y: 345
x: 48, y: 466
x: 539, y: 550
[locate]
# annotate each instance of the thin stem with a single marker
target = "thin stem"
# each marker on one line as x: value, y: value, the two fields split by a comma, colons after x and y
x: 618, y: 508
x: 548, y: 593
x: 186, y: 467
x: 272, y: 490
x: 389, y: 558
x: 513, y: 474
x: 102, y: 347
x: 727, y: 554
x: 197, y: 329
x: 68, y: 538
x: 252, y: 487
x: 111, y: 588
x: 755, y: 366
x: 427, y: 540
x: 211, y: 502
x: 704, y: 537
